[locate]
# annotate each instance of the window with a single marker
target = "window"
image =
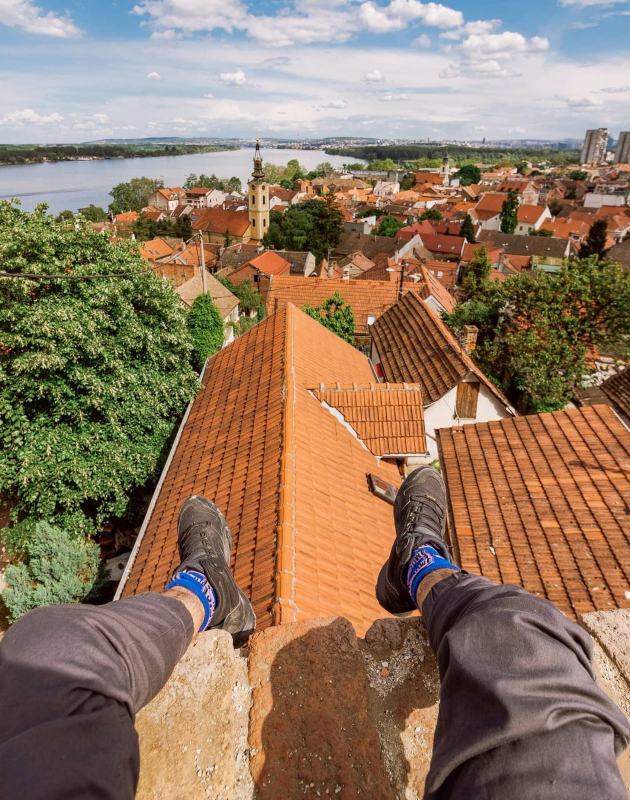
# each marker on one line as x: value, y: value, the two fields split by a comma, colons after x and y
x: 440, y: 274
x: 254, y: 223
x: 371, y: 319
x: 467, y: 397
x: 253, y: 200
x: 264, y: 223
x: 264, y: 200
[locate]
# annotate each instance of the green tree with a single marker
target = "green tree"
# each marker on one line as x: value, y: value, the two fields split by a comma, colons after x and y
x: 595, y: 244
x: 145, y: 229
x: 555, y: 206
x: 468, y: 174
x: 133, y: 195
x: 56, y: 567
x: 536, y: 328
x: 541, y: 232
x: 313, y: 225
x: 431, y: 214
x: 389, y: 226
x: 468, y: 230
x: 183, y: 227
x: 371, y: 212
x: 248, y: 297
x: 383, y: 165
x: 578, y: 175
x: 227, y: 239
x: 522, y: 167
x: 206, y: 329
x: 476, y: 275
x: 286, y: 183
x: 509, y: 212
x: 336, y: 315
x: 94, y: 213
x: 93, y: 372
x: 191, y: 182
x: 407, y: 183
x: 65, y: 216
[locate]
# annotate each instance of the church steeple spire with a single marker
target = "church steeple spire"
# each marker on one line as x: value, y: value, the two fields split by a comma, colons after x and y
x: 258, y: 162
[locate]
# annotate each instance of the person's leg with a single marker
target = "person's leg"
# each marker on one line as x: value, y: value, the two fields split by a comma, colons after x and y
x: 73, y: 677
x: 520, y: 712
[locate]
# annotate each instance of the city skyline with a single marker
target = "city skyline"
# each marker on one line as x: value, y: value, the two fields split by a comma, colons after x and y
x: 403, y: 69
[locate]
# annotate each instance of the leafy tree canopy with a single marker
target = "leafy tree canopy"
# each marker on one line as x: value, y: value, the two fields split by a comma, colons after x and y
x: 292, y: 172
x: 228, y: 185
x: 371, y: 212
x: 541, y: 232
x: 65, y: 216
x: 314, y: 225
x: 468, y: 230
x: 595, y: 244
x: 133, y: 195
x: 468, y: 174
x: 146, y: 229
x: 206, y: 329
x: 93, y: 373
x: 248, y: 297
x: 57, y: 567
x: 94, y: 214
x: 476, y: 275
x: 336, y: 315
x: 431, y: 214
x: 536, y: 328
x: 509, y: 212
x: 389, y: 226
x: 578, y: 175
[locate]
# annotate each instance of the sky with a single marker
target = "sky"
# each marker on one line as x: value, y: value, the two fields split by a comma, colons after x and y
x: 80, y: 70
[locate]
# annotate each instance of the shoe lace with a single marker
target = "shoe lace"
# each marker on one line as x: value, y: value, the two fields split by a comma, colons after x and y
x: 428, y: 508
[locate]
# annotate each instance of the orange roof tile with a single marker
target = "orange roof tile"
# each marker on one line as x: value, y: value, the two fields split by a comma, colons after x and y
x: 529, y: 215
x: 127, y: 216
x: 217, y: 221
x: 490, y: 205
x: 308, y: 536
x: 270, y: 263
x: 415, y: 346
x: 617, y: 389
x: 365, y: 296
x: 156, y: 248
x: 387, y: 417
x: 542, y: 501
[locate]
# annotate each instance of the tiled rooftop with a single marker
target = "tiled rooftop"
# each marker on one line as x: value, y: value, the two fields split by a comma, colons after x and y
x: 309, y: 537
x: 617, y: 389
x: 415, y: 346
x: 365, y: 296
x: 387, y: 417
x: 544, y: 502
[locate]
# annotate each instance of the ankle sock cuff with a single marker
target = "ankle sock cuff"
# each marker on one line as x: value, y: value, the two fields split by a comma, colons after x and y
x: 423, y: 562
x: 197, y: 583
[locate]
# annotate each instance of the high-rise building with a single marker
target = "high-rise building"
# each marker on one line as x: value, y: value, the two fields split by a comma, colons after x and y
x: 595, y: 143
x: 622, y: 154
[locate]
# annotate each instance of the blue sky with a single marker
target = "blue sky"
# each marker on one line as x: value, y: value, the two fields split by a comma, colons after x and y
x: 78, y: 70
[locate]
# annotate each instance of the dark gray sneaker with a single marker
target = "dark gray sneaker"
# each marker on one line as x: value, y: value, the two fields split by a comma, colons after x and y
x: 205, y: 545
x: 420, y: 519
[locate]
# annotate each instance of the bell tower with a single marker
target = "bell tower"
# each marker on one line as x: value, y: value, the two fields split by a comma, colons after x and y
x: 445, y: 171
x: 258, y: 198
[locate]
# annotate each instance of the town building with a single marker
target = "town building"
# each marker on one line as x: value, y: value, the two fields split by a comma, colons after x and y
x: 622, y: 153
x: 258, y: 193
x: 595, y: 144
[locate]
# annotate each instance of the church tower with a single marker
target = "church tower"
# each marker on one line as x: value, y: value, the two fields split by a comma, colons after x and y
x: 445, y: 171
x: 258, y: 199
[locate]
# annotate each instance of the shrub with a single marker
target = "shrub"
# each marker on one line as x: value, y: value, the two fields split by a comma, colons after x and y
x: 57, y: 568
x: 206, y: 329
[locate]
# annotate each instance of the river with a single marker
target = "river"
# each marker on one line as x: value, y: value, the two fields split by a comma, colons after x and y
x: 77, y: 184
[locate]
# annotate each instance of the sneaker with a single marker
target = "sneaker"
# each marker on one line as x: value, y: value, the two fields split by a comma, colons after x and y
x: 420, y: 519
x: 205, y: 545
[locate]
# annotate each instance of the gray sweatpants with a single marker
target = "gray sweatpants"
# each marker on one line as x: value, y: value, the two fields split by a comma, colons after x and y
x: 520, y: 717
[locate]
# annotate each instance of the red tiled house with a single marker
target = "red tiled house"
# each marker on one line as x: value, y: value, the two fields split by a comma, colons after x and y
x: 542, y: 501
x: 281, y: 442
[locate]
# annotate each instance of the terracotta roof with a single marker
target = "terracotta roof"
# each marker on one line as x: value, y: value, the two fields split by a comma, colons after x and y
x: 308, y: 536
x: 415, y: 346
x: 542, y: 501
x: 155, y: 248
x: 365, y: 296
x: 127, y: 216
x: 434, y: 286
x: 448, y: 245
x: 543, y: 246
x: 620, y: 253
x: 563, y: 228
x: 369, y: 245
x: 270, y: 263
x: 223, y: 298
x: 490, y: 205
x: 448, y: 270
x: 617, y: 389
x: 529, y: 215
x: 387, y: 417
x: 494, y: 253
x: 216, y: 220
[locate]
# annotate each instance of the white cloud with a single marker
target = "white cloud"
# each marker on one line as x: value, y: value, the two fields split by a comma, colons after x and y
x: 501, y: 45
x: 233, y: 78
x: 24, y: 14
x: 154, y: 76
x: 434, y: 14
x: 27, y: 116
x: 276, y: 63
x: 478, y: 69
x: 195, y: 15
x: 481, y: 128
x: 590, y: 101
x: 479, y: 26
x: 616, y: 89
x: 179, y: 120
x: 583, y: 26
x: 208, y: 96
x: 334, y: 104
x: 424, y: 40
x: 373, y: 77
x: 166, y: 36
x: 377, y: 20
x: 393, y: 96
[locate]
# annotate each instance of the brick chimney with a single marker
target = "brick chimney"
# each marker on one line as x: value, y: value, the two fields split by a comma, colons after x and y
x: 470, y: 337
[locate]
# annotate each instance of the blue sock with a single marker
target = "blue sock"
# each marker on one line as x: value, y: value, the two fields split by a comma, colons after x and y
x: 196, y: 583
x: 423, y: 562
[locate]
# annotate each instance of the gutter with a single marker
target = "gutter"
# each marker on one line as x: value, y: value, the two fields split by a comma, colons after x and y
x: 156, y: 494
